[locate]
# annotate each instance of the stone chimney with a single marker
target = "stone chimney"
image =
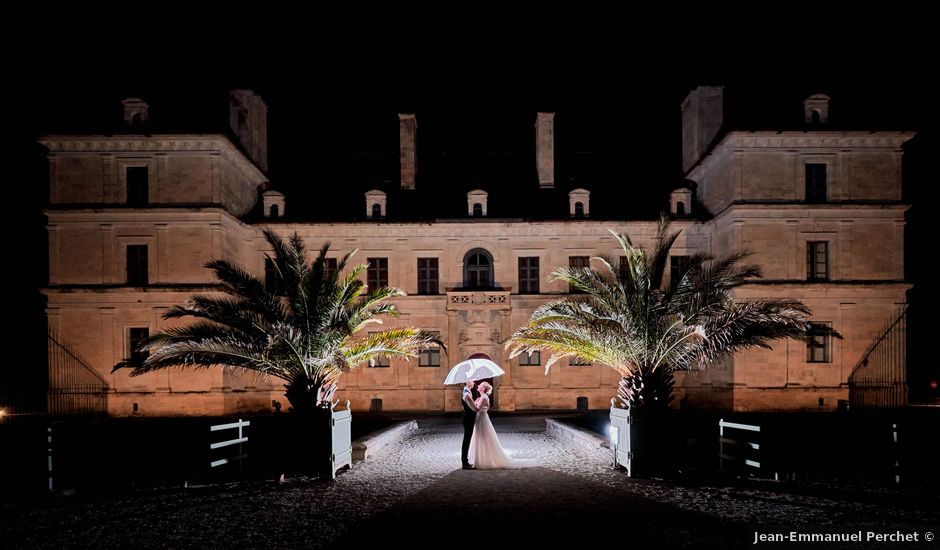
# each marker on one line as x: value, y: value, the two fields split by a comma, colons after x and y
x: 816, y: 109
x: 136, y: 112
x: 248, y: 118
x: 702, y: 113
x: 407, y: 127
x: 545, y: 149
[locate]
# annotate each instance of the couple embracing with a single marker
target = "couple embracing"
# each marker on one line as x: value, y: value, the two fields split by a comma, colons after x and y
x: 481, y: 448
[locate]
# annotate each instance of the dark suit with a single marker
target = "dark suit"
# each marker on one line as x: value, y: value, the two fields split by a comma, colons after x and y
x: 469, y: 417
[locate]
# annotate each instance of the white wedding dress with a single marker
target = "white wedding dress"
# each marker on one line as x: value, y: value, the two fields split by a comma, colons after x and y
x: 486, y: 453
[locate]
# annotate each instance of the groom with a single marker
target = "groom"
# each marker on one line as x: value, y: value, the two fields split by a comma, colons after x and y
x: 469, y: 417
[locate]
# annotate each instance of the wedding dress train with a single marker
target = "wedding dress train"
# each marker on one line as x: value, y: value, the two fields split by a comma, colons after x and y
x: 486, y: 453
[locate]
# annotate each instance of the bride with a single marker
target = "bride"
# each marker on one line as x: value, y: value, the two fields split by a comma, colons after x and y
x: 486, y: 453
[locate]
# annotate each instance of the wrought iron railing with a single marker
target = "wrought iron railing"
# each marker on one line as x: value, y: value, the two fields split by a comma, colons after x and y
x: 879, y: 380
x: 74, y: 387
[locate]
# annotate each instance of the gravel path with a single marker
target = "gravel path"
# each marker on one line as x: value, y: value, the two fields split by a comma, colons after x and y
x: 416, y: 485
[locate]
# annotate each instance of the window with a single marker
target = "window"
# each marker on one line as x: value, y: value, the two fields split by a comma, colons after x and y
x: 135, y: 337
x: 478, y: 269
x: 579, y: 210
x: 430, y: 357
x: 578, y: 362
x: 137, y: 186
x: 680, y: 208
x: 624, y: 267
x: 815, y: 183
x: 272, y: 282
x: 379, y: 362
x: 678, y: 265
x: 329, y: 267
x: 529, y: 275
x: 477, y: 210
x: 377, y: 273
x: 818, y: 346
x: 274, y: 211
x: 427, y: 275
x: 530, y: 359
x: 577, y: 261
x: 376, y: 210
x: 817, y: 261
x: 137, y: 264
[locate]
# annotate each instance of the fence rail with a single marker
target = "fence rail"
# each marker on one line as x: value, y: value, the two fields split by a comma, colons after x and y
x: 74, y: 387
x: 240, y: 440
x: 879, y: 380
x: 741, y: 449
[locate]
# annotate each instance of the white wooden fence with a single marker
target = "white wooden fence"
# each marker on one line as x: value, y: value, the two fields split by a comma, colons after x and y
x: 742, y: 448
x: 240, y: 440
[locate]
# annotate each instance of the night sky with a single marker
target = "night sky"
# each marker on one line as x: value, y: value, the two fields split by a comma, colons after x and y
x: 333, y: 112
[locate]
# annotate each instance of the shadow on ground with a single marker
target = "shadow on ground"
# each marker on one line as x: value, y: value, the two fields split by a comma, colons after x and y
x: 535, y: 508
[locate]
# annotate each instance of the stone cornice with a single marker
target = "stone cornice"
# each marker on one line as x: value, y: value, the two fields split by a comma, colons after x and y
x: 126, y: 289
x: 803, y: 140
x: 804, y: 210
x: 167, y: 143
x: 737, y: 141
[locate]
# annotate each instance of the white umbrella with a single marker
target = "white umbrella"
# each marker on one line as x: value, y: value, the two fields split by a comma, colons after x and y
x: 477, y: 367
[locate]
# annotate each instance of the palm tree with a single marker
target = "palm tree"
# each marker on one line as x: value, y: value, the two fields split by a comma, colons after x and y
x: 303, y: 330
x: 646, y: 328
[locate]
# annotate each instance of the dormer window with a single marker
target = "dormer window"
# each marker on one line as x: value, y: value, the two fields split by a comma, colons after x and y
x: 578, y: 203
x: 680, y: 202
x: 476, y: 203
x: 136, y: 112
x: 375, y: 204
x: 816, y: 109
x: 274, y: 204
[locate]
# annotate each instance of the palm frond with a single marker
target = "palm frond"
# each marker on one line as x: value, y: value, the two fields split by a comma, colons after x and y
x: 659, y: 260
x: 401, y: 343
x: 303, y: 337
x: 630, y: 320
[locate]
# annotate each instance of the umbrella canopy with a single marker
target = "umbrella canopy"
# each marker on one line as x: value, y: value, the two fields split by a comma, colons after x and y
x: 477, y: 367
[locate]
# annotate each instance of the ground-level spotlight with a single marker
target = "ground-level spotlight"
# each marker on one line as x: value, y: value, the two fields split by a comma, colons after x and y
x: 614, y: 440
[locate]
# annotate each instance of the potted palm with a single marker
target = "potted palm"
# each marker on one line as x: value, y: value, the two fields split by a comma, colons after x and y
x: 304, y: 329
x: 634, y: 320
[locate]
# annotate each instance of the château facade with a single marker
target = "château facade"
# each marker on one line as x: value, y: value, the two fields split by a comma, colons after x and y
x: 134, y: 217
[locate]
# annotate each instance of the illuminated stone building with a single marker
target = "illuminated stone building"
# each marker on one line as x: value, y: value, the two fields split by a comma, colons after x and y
x: 134, y: 216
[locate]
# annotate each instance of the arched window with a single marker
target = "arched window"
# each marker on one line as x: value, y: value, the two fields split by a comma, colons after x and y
x: 680, y: 208
x: 816, y: 119
x: 274, y: 211
x: 579, y: 210
x: 478, y: 269
x: 477, y: 210
x: 376, y: 210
